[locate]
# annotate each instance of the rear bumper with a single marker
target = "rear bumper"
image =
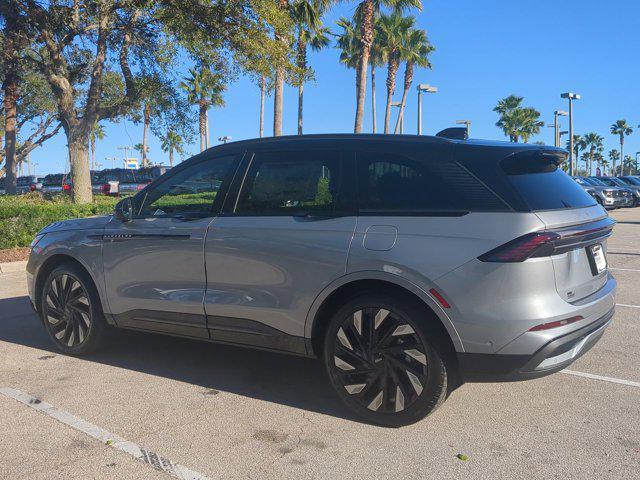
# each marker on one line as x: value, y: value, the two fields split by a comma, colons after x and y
x: 552, y: 357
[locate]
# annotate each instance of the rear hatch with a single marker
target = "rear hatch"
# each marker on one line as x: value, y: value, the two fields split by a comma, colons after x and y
x: 580, y: 226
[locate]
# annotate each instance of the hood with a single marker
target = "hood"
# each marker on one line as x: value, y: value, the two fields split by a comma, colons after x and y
x: 87, y: 223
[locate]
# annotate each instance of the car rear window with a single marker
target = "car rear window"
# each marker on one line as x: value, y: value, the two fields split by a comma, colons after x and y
x: 542, y: 184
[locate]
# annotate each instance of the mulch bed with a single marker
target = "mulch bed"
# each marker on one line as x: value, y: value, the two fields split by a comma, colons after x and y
x: 14, y: 254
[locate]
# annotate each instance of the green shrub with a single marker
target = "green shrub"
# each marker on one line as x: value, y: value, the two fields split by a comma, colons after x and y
x: 21, y: 217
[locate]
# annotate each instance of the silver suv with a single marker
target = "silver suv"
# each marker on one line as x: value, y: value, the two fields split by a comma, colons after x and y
x: 407, y: 264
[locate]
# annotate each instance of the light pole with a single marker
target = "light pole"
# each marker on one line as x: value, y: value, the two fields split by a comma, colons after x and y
x: 423, y: 88
x: 571, y: 97
x: 399, y: 104
x: 224, y: 139
x: 556, y: 125
x: 468, y: 125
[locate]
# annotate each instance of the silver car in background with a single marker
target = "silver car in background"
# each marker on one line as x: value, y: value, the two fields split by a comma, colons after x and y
x: 406, y: 264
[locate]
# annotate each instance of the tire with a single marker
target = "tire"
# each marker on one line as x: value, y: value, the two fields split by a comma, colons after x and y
x: 71, y: 311
x: 383, y: 360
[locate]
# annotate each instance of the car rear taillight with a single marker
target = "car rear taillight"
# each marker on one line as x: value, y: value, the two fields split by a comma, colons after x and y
x: 533, y: 244
x: 559, y: 323
x: 106, y: 188
x: 66, y: 187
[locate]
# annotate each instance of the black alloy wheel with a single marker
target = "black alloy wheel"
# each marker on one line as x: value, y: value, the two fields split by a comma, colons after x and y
x: 381, y: 364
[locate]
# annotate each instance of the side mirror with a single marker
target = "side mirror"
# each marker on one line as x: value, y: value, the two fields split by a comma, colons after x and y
x: 123, y: 210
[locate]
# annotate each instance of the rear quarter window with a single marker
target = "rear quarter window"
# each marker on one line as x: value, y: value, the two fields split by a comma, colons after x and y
x: 393, y: 184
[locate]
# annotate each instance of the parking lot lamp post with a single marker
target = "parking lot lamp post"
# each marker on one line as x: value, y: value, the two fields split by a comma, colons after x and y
x: 224, y: 139
x: 556, y: 125
x: 571, y: 97
x: 423, y: 88
x: 467, y: 123
x: 399, y: 105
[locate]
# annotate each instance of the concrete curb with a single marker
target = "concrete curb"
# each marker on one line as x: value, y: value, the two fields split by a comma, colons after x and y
x: 13, y: 267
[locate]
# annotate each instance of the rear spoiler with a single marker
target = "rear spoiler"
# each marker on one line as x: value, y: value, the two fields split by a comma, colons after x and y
x: 454, y: 133
x: 536, y: 160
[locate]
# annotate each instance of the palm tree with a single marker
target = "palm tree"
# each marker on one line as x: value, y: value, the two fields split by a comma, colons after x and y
x: 614, y: 156
x: 392, y: 30
x: 97, y: 133
x: 377, y: 59
x: 517, y: 122
x: 622, y: 129
x: 307, y: 16
x: 366, y: 13
x: 172, y: 142
x: 415, y: 52
x: 578, y: 145
x: 204, y: 88
x: 605, y: 164
x: 592, y: 143
x: 278, y: 88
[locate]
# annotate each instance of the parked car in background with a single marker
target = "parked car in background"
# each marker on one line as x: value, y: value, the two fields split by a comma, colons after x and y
x: 405, y: 263
x: 631, y: 180
x: 29, y: 183
x: 616, y: 182
x: 632, y: 183
x: 610, y: 198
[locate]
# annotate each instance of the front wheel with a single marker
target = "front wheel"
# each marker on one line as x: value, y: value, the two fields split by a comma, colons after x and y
x: 383, y: 362
x: 71, y: 311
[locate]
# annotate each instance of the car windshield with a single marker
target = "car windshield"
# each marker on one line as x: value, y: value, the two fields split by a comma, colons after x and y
x: 581, y: 181
x: 595, y: 181
x: 632, y: 181
x: 619, y: 182
x: 608, y: 181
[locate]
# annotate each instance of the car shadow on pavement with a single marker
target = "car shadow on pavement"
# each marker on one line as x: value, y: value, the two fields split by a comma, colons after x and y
x: 284, y: 379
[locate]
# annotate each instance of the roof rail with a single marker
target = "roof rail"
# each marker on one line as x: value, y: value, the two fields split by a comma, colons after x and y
x: 454, y: 133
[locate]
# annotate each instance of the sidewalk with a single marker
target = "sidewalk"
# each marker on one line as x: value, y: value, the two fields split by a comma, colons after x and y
x: 13, y: 267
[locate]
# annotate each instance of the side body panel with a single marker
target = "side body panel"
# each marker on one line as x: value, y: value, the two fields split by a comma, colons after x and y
x: 154, y: 274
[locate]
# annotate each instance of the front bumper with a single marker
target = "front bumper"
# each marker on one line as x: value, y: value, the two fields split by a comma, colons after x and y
x: 552, y: 357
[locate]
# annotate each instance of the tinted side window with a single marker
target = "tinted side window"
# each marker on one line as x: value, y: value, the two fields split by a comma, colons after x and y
x: 286, y: 183
x: 398, y: 184
x: 191, y: 191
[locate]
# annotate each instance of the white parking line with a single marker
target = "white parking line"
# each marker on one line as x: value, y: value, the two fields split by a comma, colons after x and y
x: 627, y: 305
x: 625, y: 269
x: 159, y: 463
x: 604, y: 379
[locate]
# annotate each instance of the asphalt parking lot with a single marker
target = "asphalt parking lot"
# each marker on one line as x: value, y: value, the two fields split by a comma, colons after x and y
x: 225, y: 413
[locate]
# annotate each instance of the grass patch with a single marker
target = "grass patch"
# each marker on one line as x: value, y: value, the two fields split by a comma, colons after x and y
x: 22, y: 216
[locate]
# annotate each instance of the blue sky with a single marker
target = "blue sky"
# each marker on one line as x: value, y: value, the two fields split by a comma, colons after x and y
x: 484, y: 52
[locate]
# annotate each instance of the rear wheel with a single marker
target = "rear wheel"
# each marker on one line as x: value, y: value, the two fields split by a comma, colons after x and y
x: 383, y: 362
x: 71, y: 311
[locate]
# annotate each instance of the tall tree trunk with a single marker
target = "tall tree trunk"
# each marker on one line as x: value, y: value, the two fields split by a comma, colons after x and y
x: 202, y: 122
x: 171, y: 156
x: 207, y: 143
x: 392, y: 70
x: 263, y: 91
x: 93, y: 154
x: 361, y: 75
x: 78, y: 142
x: 621, y: 156
x: 145, y: 133
x: 302, y: 65
x: 373, y: 97
x: 10, y: 88
x: 300, y: 95
x: 278, y: 92
x: 408, y: 79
